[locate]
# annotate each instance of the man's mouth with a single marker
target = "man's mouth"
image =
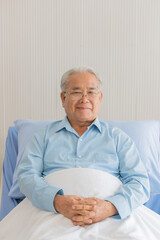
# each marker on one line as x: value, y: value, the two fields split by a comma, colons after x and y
x: 83, y: 108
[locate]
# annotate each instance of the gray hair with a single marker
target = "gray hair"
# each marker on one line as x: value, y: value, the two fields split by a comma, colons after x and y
x: 67, y: 74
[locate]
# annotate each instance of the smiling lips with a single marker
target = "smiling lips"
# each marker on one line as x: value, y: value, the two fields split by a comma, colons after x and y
x: 84, y: 108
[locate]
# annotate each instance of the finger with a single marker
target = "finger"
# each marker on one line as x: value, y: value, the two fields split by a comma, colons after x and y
x: 83, y: 207
x: 85, y: 214
x: 91, y: 199
x: 77, y: 198
x: 89, y: 214
x: 88, y: 201
x: 83, y: 223
x: 80, y: 218
x: 79, y: 224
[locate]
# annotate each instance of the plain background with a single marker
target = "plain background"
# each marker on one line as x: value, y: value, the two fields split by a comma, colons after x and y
x: 41, y: 39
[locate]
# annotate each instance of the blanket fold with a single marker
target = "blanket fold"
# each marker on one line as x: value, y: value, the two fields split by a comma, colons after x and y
x: 30, y: 223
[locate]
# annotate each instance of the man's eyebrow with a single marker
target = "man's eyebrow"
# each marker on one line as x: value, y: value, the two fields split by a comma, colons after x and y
x: 75, y: 88
x: 92, y: 88
x: 78, y: 88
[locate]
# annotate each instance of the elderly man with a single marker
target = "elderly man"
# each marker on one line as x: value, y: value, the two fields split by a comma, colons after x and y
x: 81, y: 140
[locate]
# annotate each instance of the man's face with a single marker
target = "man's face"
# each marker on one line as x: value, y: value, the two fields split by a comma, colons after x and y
x: 83, y: 98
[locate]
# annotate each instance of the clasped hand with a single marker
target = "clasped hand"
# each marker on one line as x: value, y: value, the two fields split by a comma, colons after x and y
x: 83, y: 211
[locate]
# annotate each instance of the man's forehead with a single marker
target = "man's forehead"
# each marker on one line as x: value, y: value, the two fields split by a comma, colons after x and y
x: 81, y: 86
x: 80, y: 80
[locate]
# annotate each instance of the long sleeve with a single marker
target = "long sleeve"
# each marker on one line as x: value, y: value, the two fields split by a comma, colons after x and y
x: 135, y: 188
x: 30, y: 175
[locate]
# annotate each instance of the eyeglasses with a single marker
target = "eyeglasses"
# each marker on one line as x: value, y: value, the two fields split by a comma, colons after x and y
x: 77, y: 95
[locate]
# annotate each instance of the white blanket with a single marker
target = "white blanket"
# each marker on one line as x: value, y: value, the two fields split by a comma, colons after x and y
x: 27, y: 222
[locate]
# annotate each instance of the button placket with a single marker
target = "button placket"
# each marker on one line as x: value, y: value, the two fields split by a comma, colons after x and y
x: 79, y: 155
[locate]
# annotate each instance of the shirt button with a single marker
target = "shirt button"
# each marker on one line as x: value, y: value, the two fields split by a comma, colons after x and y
x: 79, y: 156
x: 80, y: 139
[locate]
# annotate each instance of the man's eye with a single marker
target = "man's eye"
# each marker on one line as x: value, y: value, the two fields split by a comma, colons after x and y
x: 91, y: 92
x: 76, y: 93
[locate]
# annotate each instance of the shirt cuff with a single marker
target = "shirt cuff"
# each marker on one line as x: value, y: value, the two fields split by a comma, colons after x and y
x: 121, y: 205
x: 60, y: 192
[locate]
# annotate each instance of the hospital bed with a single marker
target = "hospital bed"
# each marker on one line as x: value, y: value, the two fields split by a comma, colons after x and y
x: 145, y: 134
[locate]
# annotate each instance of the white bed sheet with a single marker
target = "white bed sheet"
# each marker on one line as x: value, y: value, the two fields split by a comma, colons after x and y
x: 29, y: 223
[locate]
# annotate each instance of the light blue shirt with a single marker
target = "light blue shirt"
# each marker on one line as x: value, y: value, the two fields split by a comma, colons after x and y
x: 102, y: 147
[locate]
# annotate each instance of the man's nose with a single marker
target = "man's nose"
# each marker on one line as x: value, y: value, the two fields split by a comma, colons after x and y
x: 84, y: 98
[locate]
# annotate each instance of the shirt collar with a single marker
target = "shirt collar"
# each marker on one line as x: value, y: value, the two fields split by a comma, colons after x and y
x: 97, y: 124
x: 65, y: 124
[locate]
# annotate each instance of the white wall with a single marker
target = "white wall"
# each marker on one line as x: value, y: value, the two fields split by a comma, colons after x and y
x: 40, y: 39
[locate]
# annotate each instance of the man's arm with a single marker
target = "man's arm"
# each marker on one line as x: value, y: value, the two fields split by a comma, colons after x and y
x: 135, y: 183
x: 30, y: 178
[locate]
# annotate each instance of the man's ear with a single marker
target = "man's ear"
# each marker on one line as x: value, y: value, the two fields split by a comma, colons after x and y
x: 101, y: 96
x: 63, y: 98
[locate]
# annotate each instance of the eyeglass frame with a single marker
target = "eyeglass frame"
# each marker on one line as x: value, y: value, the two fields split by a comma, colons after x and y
x: 82, y: 94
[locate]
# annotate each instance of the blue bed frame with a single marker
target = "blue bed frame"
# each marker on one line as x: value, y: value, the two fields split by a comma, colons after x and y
x: 11, y: 152
x: 7, y: 203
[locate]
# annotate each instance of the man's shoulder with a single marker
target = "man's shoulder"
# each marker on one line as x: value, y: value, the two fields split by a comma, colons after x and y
x: 111, y: 128
x: 106, y: 124
x: 54, y: 126
x: 48, y: 129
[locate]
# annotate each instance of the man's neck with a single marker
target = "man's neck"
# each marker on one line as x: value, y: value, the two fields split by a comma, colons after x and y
x: 80, y: 129
x: 81, y: 126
